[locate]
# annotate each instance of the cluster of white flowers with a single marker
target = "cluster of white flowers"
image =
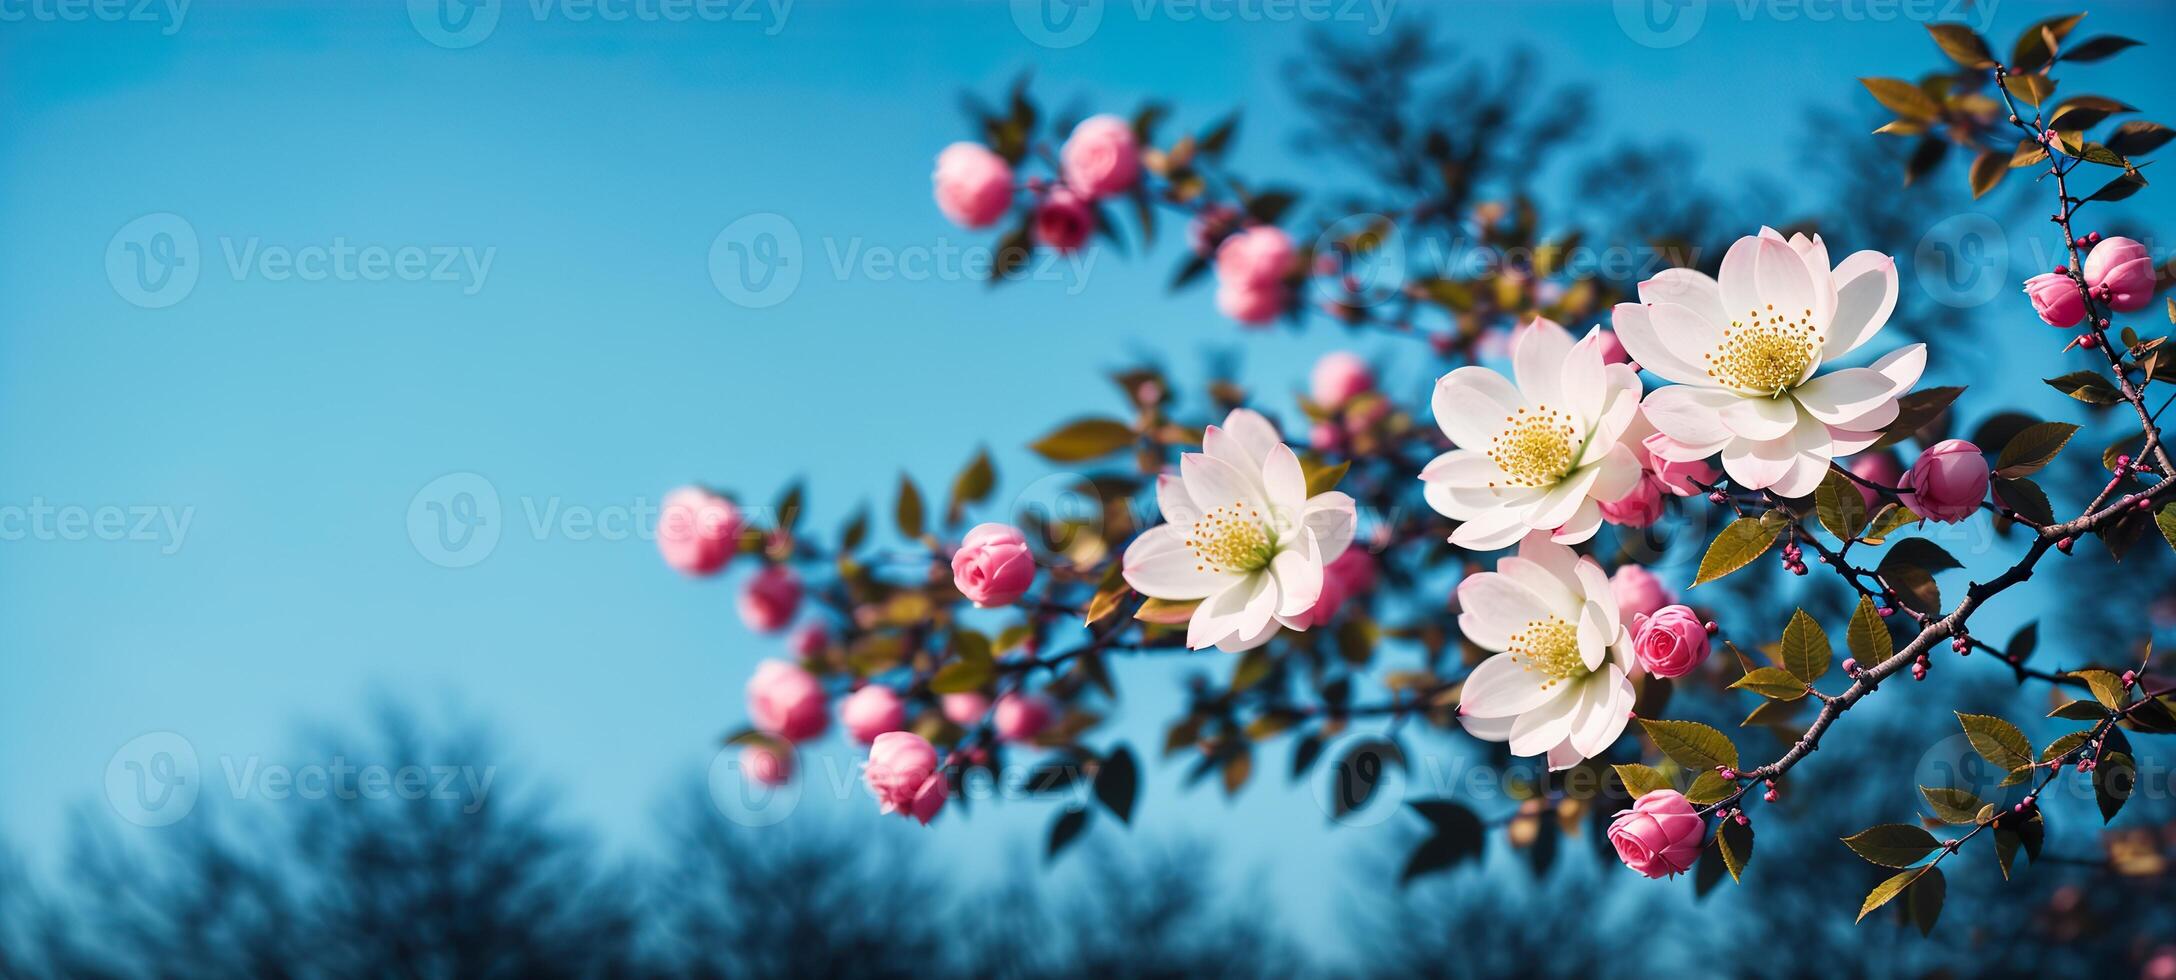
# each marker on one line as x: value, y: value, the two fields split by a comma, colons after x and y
x: 1536, y: 456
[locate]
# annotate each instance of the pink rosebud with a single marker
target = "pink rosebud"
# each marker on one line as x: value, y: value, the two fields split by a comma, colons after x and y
x: 993, y: 565
x: 1640, y: 508
x: 1100, y: 158
x: 1260, y: 256
x: 871, y: 712
x: 2120, y: 271
x: 1348, y: 575
x: 1021, y: 717
x: 2056, y: 298
x: 762, y: 765
x: 1326, y: 437
x: 1063, y: 221
x: 809, y: 641
x: 1660, y: 835
x: 1337, y: 377
x: 1638, y: 592
x: 2162, y: 966
x: 768, y: 601
x: 974, y: 185
x: 697, y: 531
x: 1613, y: 351
x: 1879, y: 468
x: 786, y: 701
x: 1670, y: 643
x: 1251, y: 305
x: 1947, y: 482
x: 1664, y: 458
x: 903, y: 775
x: 966, y: 708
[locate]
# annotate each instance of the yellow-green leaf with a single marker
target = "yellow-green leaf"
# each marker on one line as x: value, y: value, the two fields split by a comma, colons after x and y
x: 1774, y: 683
x: 1869, y: 635
x: 1806, y: 652
x: 1739, y: 543
x: 1902, y: 97
x: 1952, y: 805
x: 1640, y: 780
x: 1893, y: 845
x: 1997, y: 741
x: 1887, y: 890
x: 1691, y: 744
x: 1839, y: 505
x: 1084, y: 439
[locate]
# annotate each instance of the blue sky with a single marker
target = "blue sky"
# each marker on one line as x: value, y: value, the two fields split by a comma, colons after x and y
x: 292, y: 419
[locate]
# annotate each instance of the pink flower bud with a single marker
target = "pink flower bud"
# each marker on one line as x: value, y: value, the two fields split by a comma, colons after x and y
x: 1613, y: 351
x: 1337, y: 377
x: 764, y: 766
x: 1063, y: 221
x: 1638, y: 592
x: 1100, y: 158
x: 786, y: 701
x: 1250, y: 270
x: 966, y: 708
x: 1348, y: 575
x: 1326, y: 437
x: 1947, y: 482
x: 1640, y: 508
x: 974, y: 185
x: 1670, y: 643
x: 903, y: 775
x: 1252, y: 305
x: 2056, y: 298
x: 1660, y: 835
x: 1665, y: 459
x: 768, y: 601
x: 1881, y: 468
x: 871, y: 712
x: 993, y: 565
x: 2123, y: 268
x: 808, y: 641
x: 697, y: 531
x: 1021, y: 717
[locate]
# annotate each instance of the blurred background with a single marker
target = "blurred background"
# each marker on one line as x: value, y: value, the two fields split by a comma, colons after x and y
x: 346, y: 351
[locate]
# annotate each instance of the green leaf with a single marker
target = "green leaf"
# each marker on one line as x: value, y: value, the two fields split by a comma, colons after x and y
x: 1084, y: 439
x: 2124, y: 185
x: 1167, y: 612
x: 961, y: 677
x: 1997, y: 741
x: 2026, y: 498
x: 1066, y: 829
x: 1117, y: 781
x: 1887, y: 521
x: 1887, y: 890
x: 2165, y: 520
x: 1952, y: 805
x: 2079, y: 711
x: 1869, y: 635
x: 2115, y: 776
x: 1988, y: 169
x: 1914, y: 412
x: 2006, y: 842
x: 2062, y: 746
x: 2033, y: 448
x: 1893, y: 845
x: 1774, y: 683
x: 2107, y: 686
x: 2030, y: 89
x: 972, y: 485
x: 1840, y: 505
x: 2139, y: 136
x: 1324, y: 479
x: 908, y: 510
x: 1640, y: 780
x: 1909, y: 567
x: 1710, y: 787
x: 1806, y: 651
x: 1963, y: 45
x: 1691, y: 744
x: 1926, y: 899
x: 1458, y: 838
x: 2098, y: 47
x: 1902, y: 97
x: 1739, y: 543
x: 2089, y: 387
x: 2031, y: 50
x: 1736, y: 841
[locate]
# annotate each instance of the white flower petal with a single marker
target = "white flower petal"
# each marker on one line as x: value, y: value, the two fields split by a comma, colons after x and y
x: 1237, y: 643
x: 1540, y: 729
x: 1492, y: 607
x: 1240, y: 609
x: 1582, y: 524
x: 1500, y: 687
x: 1254, y: 432
x: 1491, y: 530
x: 1471, y: 403
x: 1299, y: 577
x: 1692, y: 416
x: 1594, y: 636
x: 1213, y: 483
x: 1759, y: 418
x: 1584, y: 380
x: 1617, y: 475
x: 1558, y: 505
x: 1538, y: 353
x: 1840, y: 396
x: 1463, y: 468
x: 1844, y: 442
x: 1610, y: 697
x: 1286, y: 485
x: 1635, y: 326
x: 1692, y: 337
x: 1689, y: 288
x: 1561, y: 602
x: 1159, y: 564
x: 1559, y: 561
x: 1865, y: 296
x: 1564, y: 756
x: 1332, y: 519
x: 1172, y: 501
x: 1616, y: 419
x: 1488, y: 729
x: 1594, y: 586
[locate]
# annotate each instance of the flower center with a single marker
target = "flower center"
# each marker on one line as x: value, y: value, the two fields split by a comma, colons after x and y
x: 1550, y: 646
x: 1536, y: 447
x: 1231, y: 539
x: 1766, y: 352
